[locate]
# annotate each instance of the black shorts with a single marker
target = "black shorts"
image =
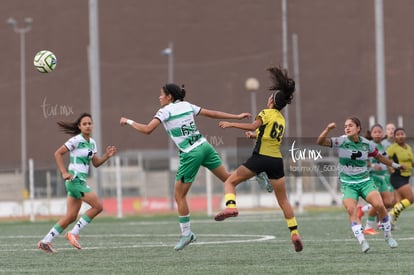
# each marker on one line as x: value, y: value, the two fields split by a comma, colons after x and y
x: 260, y: 163
x: 397, y: 180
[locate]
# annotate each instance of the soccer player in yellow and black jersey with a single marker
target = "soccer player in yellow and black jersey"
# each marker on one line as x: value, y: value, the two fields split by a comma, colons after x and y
x: 401, y: 153
x: 270, y: 127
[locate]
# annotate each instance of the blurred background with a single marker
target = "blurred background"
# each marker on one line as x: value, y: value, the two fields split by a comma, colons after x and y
x: 347, y: 57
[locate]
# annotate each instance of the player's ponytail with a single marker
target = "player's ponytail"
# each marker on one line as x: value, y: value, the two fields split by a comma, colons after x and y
x: 175, y: 91
x: 283, y: 87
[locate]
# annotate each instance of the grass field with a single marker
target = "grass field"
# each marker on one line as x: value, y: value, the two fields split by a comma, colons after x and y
x: 253, y: 243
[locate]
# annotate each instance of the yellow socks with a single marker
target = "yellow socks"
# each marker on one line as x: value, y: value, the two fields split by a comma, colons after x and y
x: 292, y: 225
x: 230, y: 200
x: 399, y: 207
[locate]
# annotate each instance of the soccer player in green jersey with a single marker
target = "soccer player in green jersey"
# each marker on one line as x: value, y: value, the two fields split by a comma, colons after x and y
x: 354, y: 152
x: 82, y: 150
x: 177, y: 116
x: 381, y: 177
x: 269, y: 127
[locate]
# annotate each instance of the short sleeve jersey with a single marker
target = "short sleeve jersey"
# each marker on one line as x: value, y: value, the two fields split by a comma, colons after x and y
x: 374, y: 161
x: 270, y: 134
x: 386, y: 143
x: 178, y: 121
x: 403, y: 156
x: 81, y: 153
x: 353, y: 157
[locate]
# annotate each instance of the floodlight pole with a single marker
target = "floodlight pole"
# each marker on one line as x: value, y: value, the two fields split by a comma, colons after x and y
x: 380, y: 63
x: 252, y: 85
x: 22, y: 31
x: 173, y: 161
x: 285, y: 58
x: 95, y: 82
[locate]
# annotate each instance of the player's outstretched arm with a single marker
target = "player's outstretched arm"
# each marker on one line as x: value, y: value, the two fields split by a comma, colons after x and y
x: 143, y: 128
x: 389, y: 162
x: 223, y: 115
x: 243, y: 126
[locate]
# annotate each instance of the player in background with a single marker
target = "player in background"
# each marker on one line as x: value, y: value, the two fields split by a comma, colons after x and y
x: 354, y: 152
x: 177, y: 116
x: 380, y: 175
x: 400, y: 152
x: 387, y: 140
x: 82, y: 150
x: 269, y: 127
x: 389, y: 135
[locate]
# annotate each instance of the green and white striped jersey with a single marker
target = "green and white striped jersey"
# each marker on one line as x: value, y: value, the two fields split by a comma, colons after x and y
x: 178, y: 121
x: 353, y: 157
x: 81, y: 153
x: 374, y: 161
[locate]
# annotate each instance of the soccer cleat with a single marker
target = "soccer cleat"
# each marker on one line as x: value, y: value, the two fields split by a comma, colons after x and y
x: 360, y: 212
x: 380, y: 226
x: 263, y: 180
x: 227, y: 213
x: 74, y: 240
x: 391, y: 242
x: 393, y: 221
x: 297, y: 243
x: 371, y: 231
x: 364, y: 246
x: 46, y: 247
x: 185, y: 240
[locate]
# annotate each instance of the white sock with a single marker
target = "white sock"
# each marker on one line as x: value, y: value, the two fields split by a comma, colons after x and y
x: 53, y: 233
x: 387, y: 229
x: 366, y: 208
x: 185, y: 228
x: 184, y: 222
x: 357, y: 229
x: 79, y: 226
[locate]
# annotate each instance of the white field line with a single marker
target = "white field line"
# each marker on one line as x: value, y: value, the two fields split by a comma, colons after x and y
x: 230, y: 239
x: 234, y: 238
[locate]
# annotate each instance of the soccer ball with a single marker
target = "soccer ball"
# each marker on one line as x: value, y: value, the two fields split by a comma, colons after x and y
x: 44, y: 61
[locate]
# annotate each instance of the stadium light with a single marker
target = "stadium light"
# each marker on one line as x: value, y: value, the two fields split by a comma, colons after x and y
x: 252, y: 85
x: 22, y: 31
x: 170, y: 53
